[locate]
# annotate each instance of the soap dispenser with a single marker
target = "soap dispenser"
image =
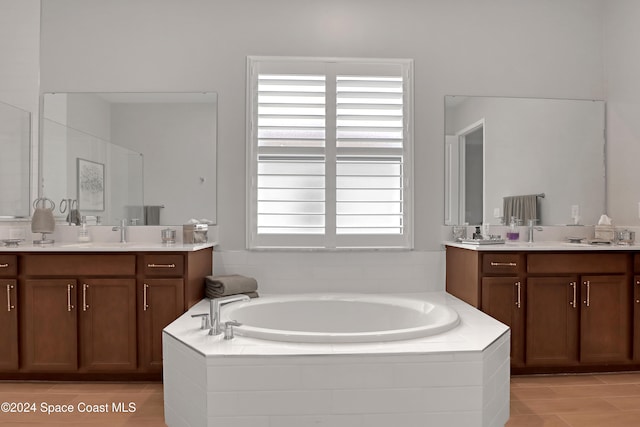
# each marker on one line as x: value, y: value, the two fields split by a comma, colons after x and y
x: 83, y: 232
x: 478, y: 234
x: 513, y: 233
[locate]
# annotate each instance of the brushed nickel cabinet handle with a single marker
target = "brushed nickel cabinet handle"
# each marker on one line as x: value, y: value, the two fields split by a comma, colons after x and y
x: 69, y: 306
x: 574, y: 303
x: 145, y: 306
x: 518, y: 294
x: 4, y: 265
x: 503, y: 264
x: 587, y: 301
x: 9, y: 306
x: 84, y: 297
x: 161, y: 265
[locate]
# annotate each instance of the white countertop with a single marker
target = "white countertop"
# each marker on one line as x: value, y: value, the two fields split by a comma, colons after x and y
x: 545, y: 246
x: 107, y: 247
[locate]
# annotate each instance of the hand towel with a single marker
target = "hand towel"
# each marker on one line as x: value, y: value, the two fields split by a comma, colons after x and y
x: 219, y: 286
x: 522, y: 207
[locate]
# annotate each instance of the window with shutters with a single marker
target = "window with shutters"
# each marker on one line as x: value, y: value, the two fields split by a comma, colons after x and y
x: 329, y: 153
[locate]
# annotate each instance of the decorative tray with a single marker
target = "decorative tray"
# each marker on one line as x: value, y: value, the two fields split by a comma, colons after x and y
x: 482, y: 241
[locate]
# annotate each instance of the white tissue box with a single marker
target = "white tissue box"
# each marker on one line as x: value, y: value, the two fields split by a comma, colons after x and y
x: 605, y: 232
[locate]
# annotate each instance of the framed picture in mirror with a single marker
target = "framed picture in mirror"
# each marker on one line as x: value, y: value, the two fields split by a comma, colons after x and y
x: 90, y: 185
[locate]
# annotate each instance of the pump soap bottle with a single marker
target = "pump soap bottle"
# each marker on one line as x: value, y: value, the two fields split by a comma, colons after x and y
x: 83, y: 232
x: 513, y: 233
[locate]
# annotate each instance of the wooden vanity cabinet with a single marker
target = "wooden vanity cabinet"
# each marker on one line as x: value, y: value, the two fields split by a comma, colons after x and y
x: 636, y: 308
x: 49, y: 325
x: 161, y: 301
x: 552, y: 321
x: 8, y: 313
x: 568, y: 311
x: 107, y: 316
x: 589, y: 296
x: 503, y: 297
x: 84, y: 322
x: 93, y: 315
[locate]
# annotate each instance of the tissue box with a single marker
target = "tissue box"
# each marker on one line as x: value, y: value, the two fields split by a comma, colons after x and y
x: 195, y: 233
x: 605, y: 232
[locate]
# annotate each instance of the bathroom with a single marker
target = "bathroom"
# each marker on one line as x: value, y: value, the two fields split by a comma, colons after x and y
x: 571, y: 49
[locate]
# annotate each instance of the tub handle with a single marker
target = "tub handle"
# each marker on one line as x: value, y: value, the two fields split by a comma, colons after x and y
x: 206, y: 323
x: 228, y: 329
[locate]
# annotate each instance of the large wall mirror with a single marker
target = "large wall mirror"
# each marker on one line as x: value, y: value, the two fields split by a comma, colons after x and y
x: 15, y: 140
x: 497, y: 148
x: 146, y: 157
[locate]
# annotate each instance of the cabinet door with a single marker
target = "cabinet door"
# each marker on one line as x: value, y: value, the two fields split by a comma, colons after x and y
x: 9, y: 322
x: 503, y: 299
x: 162, y: 302
x: 552, y: 321
x: 605, y: 322
x: 50, y: 329
x: 636, y: 313
x: 108, y: 324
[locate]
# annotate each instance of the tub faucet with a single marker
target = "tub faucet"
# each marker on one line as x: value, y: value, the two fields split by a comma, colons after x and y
x: 123, y: 230
x: 532, y: 227
x: 215, y: 304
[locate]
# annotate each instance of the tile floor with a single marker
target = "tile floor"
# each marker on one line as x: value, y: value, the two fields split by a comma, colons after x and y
x: 611, y: 400
x: 112, y: 397
x: 603, y: 400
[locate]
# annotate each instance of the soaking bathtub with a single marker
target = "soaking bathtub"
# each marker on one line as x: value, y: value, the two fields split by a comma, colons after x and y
x: 334, y: 360
x: 339, y: 318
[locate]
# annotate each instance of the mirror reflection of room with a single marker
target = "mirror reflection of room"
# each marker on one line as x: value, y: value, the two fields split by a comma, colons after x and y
x: 111, y: 156
x: 532, y: 159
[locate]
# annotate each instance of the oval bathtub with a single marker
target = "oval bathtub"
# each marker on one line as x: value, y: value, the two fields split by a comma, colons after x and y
x: 328, y: 318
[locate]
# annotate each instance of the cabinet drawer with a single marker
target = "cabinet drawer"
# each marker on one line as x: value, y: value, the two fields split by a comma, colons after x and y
x: 75, y: 265
x: 8, y: 265
x: 577, y: 263
x: 163, y: 265
x: 501, y: 263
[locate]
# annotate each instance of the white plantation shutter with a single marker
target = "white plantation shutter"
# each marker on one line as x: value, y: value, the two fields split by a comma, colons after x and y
x: 329, y: 146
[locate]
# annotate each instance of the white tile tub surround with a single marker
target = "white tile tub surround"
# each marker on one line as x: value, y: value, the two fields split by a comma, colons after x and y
x: 340, y: 271
x: 459, y: 378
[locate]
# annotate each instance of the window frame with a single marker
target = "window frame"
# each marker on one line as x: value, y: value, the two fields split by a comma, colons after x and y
x: 327, y: 241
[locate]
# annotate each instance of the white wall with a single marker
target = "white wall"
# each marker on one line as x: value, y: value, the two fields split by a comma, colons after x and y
x: 517, y: 48
x: 622, y: 80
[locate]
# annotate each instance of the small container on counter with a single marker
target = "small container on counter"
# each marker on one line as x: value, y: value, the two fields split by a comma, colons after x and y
x: 168, y: 236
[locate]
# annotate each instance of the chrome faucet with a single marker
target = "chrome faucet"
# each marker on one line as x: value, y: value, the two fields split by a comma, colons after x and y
x: 214, y: 314
x: 532, y: 227
x: 123, y: 230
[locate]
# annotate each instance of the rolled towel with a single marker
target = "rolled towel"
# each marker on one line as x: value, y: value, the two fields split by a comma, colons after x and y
x: 219, y: 286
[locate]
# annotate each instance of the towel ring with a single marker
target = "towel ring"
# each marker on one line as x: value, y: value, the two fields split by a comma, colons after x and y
x: 70, y: 204
x: 43, y: 201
